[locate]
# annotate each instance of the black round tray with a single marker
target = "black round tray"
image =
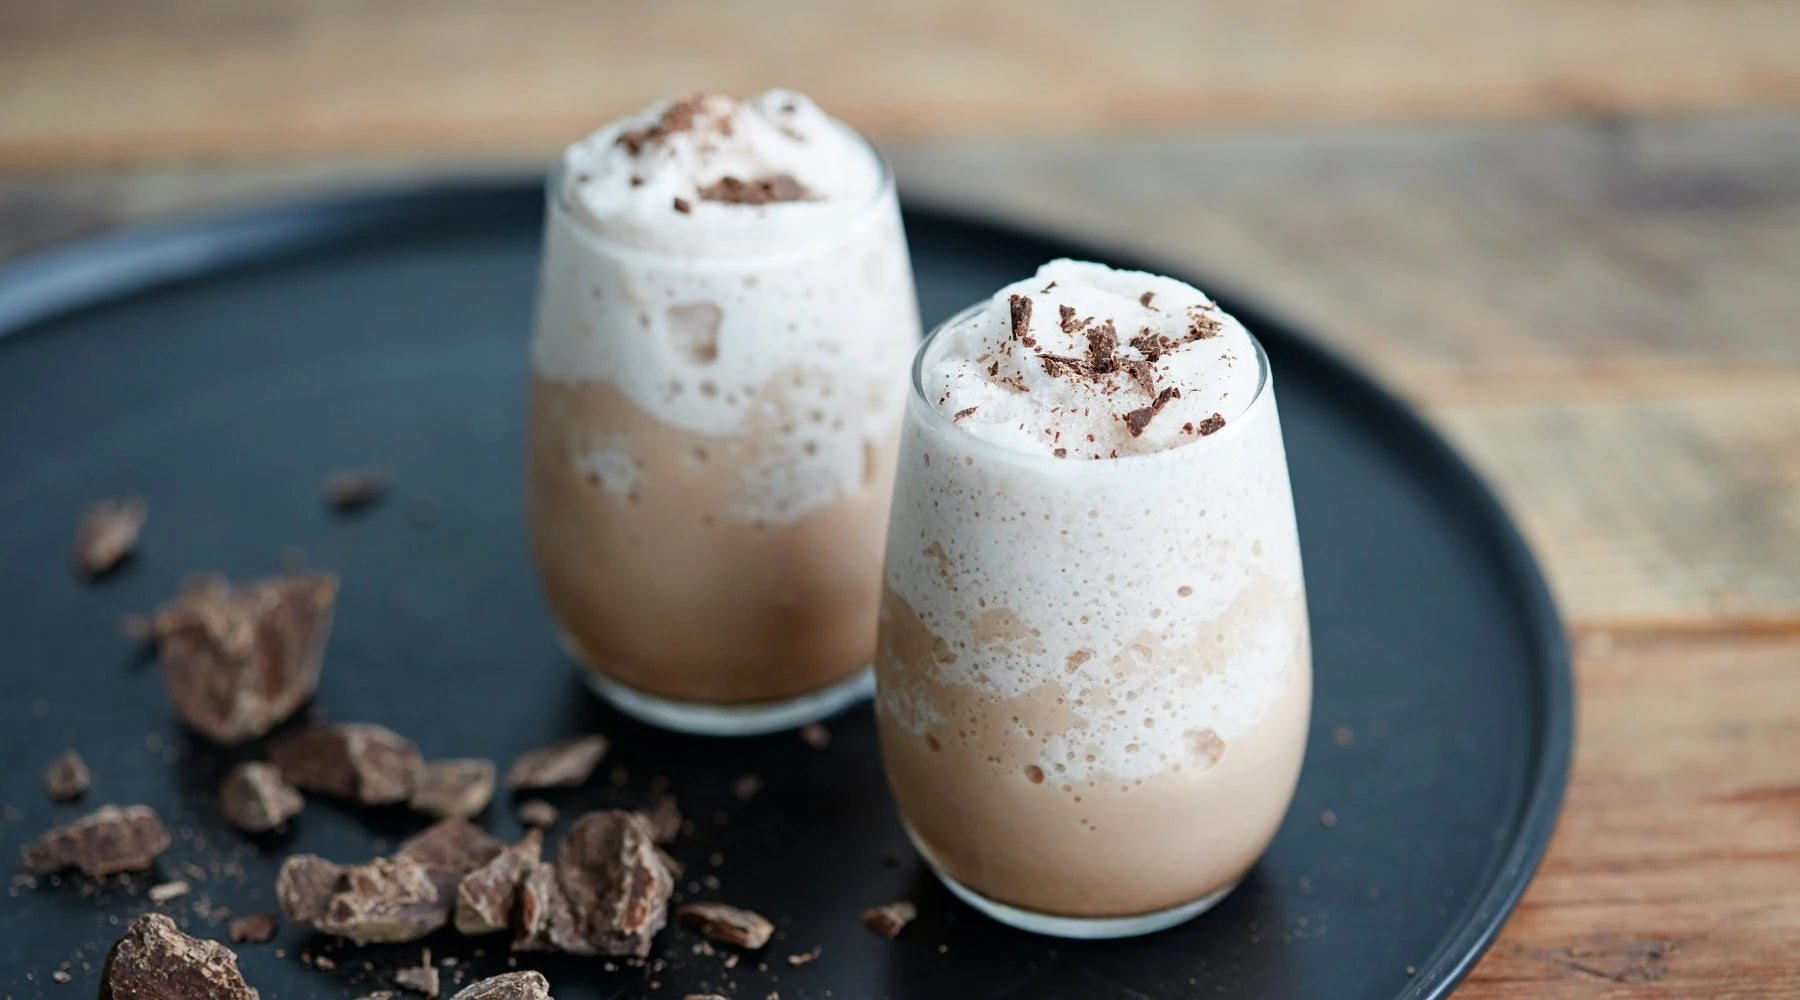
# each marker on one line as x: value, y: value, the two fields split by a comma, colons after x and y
x: 221, y: 368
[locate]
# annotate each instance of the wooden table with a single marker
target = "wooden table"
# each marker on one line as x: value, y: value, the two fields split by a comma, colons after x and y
x: 1599, y: 302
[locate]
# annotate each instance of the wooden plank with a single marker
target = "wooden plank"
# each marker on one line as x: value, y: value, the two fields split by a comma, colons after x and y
x: 122, y: 81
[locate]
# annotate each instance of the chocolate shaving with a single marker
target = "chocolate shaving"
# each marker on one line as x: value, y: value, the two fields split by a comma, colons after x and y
x: 1069, y: 323
x: 107, y: 534
x: 607, y: 893
x: 67, y: 777
x: 1211, y: 424
x: 353, y: 490
x: 1057, y: 365
x: 1138, y: 419
x: 510, y: 986
x: 255, y: 928
x: 963, y: 413
x: 154, y: 960
x: 683, y: 206
x: 559, y: 765
x: 1144, y: 300
x: 889, y: 920
x: 453, y: 844
x: 255, y: 798
x: 454, y: 787
x: 1103, y: 341
x: 108, y: 840
x: 664, y: 818
x: 537, y: 812
x: 727, y: 924
x: 361, y: 762
x: 238, y: 661
x: 762, y: 191
x: 486, y: 897
x: 1020, y: 306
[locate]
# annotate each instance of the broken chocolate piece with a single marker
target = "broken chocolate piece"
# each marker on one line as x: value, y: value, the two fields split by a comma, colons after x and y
x: 237, y: 661
x: 664, y: 818
x: 727, y: 924
x: 607, y: 893
x: 305, y: 887
x: 421, y: 978
x: 538, y: 813
x: 67, y: 777
x: 1103, y: 341
x: 889, y: 920
x: 511, y: 986
x: 454, y: 787
x: 559, y: 765
x: 108, y: 533
x: 1144, y: 375
x: 254, y: 798
x: 1211, y: 424
x: 387, y: 900
x: 156, y: 961
x: 349, y: 491
x: 683, y: 206
x: 966, y: 411
x: 1020, y: 307
x: 485, y: 898
x: 108, y: 840
x: 255, y: 928
x: 358, y: 761
x: 763, y: 190
x: 1144, y: 300
x: 453, y: 844
x: 1138, y: 419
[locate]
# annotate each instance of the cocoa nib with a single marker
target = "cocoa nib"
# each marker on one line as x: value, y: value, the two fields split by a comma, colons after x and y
x: 606, y: 894
x: 1103, y: 341
x: 1210, y: 425
x: 355, y: 489
x: 1138, y: 419
x: 1020, y: 306
x: 454, y: 844
x: 763, y: 190
x: 67, y: 777
x: 156, y: 961
x: 889, y: 920
x: 108, y: 840
x: 559, y: 765
x: 727, y: 924
x: 107, y: 534
x: 254, y: 798
x: 237, y: 661
x: 511, y: 986
x: 255, y: 928
x: 358, y: 761
x: 485, y: 898
x: 537, y: 812
x: 454, y: 787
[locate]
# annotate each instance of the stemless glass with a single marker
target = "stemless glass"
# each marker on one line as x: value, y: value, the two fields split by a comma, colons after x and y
x: 711, y: 457
x: 1093, y: 677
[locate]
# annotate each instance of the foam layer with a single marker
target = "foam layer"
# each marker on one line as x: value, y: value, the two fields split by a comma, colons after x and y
x: 1084, y: 362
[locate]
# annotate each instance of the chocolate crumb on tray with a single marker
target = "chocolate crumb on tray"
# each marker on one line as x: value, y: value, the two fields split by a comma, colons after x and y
x: 454, y: 787
x: 357, y: 761
x: 254, y: 928
x: 109, y: 840
x: 560, y: 765
x: 255, y: 798
x: 354, y: 490
x: 154, y: 960
x: 67, y: 777
x: 108, y: 534
x: 727, y: 924
x: 746, y: 786
x: 890, y: 919
x: 538, y: 813
x: 510, y: 986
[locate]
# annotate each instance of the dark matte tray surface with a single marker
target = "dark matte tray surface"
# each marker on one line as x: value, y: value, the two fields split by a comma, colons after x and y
x: 391, y: 331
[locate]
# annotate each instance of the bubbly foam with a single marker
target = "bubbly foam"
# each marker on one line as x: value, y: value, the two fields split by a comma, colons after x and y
x: 1084, y: 361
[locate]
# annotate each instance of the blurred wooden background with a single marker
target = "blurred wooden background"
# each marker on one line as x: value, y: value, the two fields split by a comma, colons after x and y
x: 1568, y: 229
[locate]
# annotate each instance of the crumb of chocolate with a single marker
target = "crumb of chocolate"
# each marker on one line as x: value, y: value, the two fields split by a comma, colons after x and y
x: 637, y: 181
x: 358, y: 761
x: 890, y: 919
x: 1046, y: 288
x: 239, y: 660
x: 486, y: 897
x: 815, y: 735
x: 538, y: 813
x: 109, y: 840
x: 1144, y: 300
x: 963, y: 413
x: 1327, y: 818
x: 1138, y: 419
x: 154, y: 960
x: 805, y: 957
x: 1020, y: 307
x: 509, y: 986
x: 1061, y: 453
x: 1343, y: 736
x: 677, y: 117
x: 761, y: 191
x: 1210, y: 425
x: 664, y: 818
x: 421, y: 978
x: 559, y: 765
x: 166, y: 891
x: 67, y: 777
x: 255, y: 798
x: 354, y: 489
x: 454, y: 787
x: 255, y: 928
x: 683, y: 206
x: 108, y: 533
x: 453, y: 844
x: 606, y: 894
x: 1068, y: 321
x: 746, y: 786
x: 61, y: 976
x: 727, y: 924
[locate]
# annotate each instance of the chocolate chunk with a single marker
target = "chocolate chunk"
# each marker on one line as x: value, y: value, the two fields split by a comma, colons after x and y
x: 254, y: 798
x: 107, y: 534
x: 67, y: 777
x: 421, y: 978
x: 237, y: 661
x: 963, y: 413
x: 1144, y: 300
x: 889, y: 920
x: 538, y: 813
x: 1202, y: 326
x: 387, y: 900
x: 1138, y: 419
x: 559, y: 765
x: 156, y: 961
x: 304, y: 888
x: 486, y: 897
x: 1069, y: 323
x: 664, y: 818
x: 1020, y: 306
x: 815, y: 735
x: 683, y: 206
x: 358, y: 761
x: 511, y: 986
x: 762, y: 191
x: 727, y: 924
x: 1211, y: 424
x: 108, y: 840
x: 454, y: 787
x: 1103, y: 341
x: 805, y: 957
x: 453, y: 844
x: 607, y: 893
x: 353, y: 490
x: 255, y: 928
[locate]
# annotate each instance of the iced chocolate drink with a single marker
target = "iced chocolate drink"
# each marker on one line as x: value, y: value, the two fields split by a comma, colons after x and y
x: 724, y: 323
x: 1094, y: 673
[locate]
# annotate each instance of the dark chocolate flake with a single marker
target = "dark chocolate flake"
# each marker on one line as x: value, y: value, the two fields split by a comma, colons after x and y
x: 683, y: 206
x: 305, y: 886
x: 388, y: 900
x: 108, y: 840
x: 154, y: 960
x: 1020, y: 307
x: 1144, y: 300
x: 107, y: 534
x: 452, y: 844
x: 1138, y: 419
x: 67, y: 777
x: 606, y: 894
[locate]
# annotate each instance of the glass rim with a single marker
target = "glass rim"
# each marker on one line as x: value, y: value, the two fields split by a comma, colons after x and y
x: 1265, y: 384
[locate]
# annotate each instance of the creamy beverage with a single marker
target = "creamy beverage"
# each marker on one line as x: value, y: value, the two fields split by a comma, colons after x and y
x: 725, y: 317
x: 1094, y: 673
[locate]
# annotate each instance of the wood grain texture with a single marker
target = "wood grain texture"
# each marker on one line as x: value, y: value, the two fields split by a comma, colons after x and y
x: 137, y: 81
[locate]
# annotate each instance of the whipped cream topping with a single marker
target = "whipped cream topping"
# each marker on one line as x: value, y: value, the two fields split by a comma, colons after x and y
x: 711, y: 175
x: 1083, y: 361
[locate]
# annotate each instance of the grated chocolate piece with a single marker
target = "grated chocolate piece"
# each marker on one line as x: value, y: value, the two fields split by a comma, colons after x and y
x: 1138, y: 419
x: 67, y: 777
x: 1068, y: 321
x: 889, y: 920
x: 727, y: 924
x: 353, y: 490
x: 677, y: 117
x: 238, y: 661
x: 761, y: 191
x: 108, y: 533
x: 154, y: 960
x: 487, y: 896
x: 607, y: 893
x: 453, y: 844
x: 108, y: 840
x: 511, y: 986
x: 538, y: 813
x: 1144, y: 376
x: 255, y: 798
x: 559, y: 765
x: 683, y: 206
x: 255, y: 928
x: 1211, y: 424
x: 1144, y: 300
x: 358, y: 761
x: 963, y: 413
x: 454, y: 787
x: 304, y: 888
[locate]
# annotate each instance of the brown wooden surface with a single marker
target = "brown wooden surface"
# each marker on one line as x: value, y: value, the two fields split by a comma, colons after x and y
x: 1601, y: 309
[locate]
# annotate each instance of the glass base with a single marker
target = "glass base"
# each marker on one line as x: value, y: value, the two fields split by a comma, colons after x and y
x: 751, y: 719
x: 1081, y: 928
